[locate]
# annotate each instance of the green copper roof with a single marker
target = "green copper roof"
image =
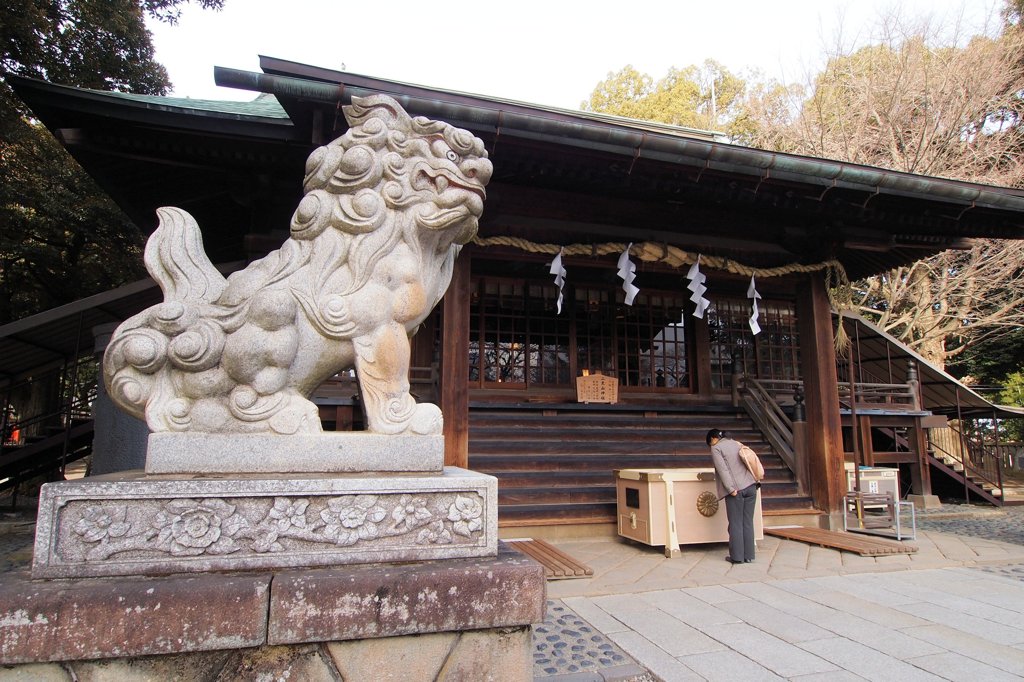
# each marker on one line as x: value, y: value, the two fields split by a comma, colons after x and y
x: 264, y: 106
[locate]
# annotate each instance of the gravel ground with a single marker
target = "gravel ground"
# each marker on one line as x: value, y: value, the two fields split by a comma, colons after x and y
x: 1005, y: 524
x: 565, y: 644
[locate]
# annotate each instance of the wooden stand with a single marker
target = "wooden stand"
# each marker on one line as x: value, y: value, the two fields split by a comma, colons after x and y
x: 673, y: 507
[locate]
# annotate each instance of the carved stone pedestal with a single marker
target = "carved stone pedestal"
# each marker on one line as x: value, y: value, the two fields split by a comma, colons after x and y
x: 459, y: 619
x: 137, y: 524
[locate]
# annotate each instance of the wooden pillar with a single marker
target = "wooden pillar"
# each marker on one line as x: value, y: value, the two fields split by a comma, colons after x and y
x: 702, y: 364
x: 920, y: 473
x: 800, y: 441
x: 455, y: 365
x: 867, y: 446
x: 827, y: 478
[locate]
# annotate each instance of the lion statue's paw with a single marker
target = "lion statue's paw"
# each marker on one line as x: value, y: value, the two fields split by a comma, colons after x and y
x: 427, y: 420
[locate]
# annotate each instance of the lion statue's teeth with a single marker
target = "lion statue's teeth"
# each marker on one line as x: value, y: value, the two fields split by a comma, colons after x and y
x: 371, y: 252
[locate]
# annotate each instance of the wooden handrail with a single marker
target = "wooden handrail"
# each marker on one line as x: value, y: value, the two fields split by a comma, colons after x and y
x: 771, y: 419
x: 892, y: 396
x: 979, y: 461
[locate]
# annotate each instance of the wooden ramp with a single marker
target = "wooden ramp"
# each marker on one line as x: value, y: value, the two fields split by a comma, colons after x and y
x: 847, y: 542
x: 557, y: 564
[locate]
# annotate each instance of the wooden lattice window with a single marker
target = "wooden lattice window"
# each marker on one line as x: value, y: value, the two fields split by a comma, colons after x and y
x: 643, y: 345
x: 772, y: 354
x: 516, y: 339
x: 778, y: 344
x: 594, y: 313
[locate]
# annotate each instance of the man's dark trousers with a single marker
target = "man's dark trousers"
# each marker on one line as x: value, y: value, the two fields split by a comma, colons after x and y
x: 739, y: 509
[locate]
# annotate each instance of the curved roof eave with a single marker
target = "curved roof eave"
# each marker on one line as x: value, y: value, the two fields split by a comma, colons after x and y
x: 262, y: 113
x: 634, y: 138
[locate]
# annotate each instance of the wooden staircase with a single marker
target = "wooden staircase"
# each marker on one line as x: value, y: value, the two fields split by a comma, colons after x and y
x: 974, y: 483
x: 555, y: 462
x: 979, y: 473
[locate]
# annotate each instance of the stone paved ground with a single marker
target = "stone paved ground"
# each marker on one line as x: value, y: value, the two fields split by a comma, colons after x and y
x: 569, y: 649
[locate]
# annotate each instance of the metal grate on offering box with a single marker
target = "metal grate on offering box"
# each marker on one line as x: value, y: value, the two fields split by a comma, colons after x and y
x: 597, y: 388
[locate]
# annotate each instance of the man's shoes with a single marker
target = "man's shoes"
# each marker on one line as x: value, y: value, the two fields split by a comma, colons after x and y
x: 748, y: 561
x: 733, y: 561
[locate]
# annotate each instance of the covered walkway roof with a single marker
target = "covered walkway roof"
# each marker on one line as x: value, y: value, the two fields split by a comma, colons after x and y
x: 44, y: 341
x: 883, y: 359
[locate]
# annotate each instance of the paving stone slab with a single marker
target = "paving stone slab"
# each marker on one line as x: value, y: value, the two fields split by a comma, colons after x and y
x: 952, y: 666
x: 660, y: 663
x: 775, y: 654
x: 866, y: 662
x: 670, y: 634
x: 727, y: 665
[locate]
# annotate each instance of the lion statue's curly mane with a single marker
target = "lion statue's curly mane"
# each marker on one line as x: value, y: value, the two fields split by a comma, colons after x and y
x: 387, y: 207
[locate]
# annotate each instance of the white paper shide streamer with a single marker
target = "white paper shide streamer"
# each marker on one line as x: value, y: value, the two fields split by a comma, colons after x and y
x: 559, y: 272
x: 627, y: 271
x: 696, y: 286
x: 753, y: 296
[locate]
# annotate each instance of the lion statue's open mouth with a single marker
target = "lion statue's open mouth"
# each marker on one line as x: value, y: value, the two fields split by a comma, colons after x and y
x: 373, y: 241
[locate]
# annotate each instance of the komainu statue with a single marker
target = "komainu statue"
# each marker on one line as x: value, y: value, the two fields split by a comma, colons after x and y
x: 387, y: 207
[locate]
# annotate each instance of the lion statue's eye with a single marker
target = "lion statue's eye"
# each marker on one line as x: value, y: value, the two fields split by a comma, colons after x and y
x: 452, y: 156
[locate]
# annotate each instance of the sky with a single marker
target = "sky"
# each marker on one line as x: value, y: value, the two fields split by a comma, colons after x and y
x: 551, y: 53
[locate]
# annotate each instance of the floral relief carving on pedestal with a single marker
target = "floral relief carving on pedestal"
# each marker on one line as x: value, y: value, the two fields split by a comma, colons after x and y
x: 187, y: 527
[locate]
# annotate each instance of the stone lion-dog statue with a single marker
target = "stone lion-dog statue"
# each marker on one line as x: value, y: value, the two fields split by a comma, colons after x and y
x: 387, y: 208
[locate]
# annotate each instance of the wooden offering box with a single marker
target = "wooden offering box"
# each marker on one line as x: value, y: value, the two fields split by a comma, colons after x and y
x: 673, y: 507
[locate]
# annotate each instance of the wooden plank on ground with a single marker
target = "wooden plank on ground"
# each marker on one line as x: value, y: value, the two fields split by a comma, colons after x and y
x: 557, y: 564
x: 848, y: 542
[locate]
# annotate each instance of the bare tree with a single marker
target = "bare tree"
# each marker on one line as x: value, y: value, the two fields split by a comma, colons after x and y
x: 921, y: 99
x: 911, y: 103
x: 942, y: 305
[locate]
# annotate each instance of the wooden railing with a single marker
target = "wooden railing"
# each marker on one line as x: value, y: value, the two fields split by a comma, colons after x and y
x: 760, y: 398
x: 900, y: 397
x: 44, y: 404
x: 49, y: 425
x: 981, y: 463
x: 421, y: 380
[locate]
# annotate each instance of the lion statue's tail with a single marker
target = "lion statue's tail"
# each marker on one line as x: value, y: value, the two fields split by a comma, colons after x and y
x: 175, y: 258
x: 171, y: 332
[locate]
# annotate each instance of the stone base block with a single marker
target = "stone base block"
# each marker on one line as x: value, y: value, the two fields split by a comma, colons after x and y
x: 925, y: 501
x: 137, y: 524
x: 495, y: 654
x: 341, y: 452
x: 381, y: 622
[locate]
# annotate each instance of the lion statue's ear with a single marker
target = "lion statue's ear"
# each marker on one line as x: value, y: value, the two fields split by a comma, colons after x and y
x: 381, y: 107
